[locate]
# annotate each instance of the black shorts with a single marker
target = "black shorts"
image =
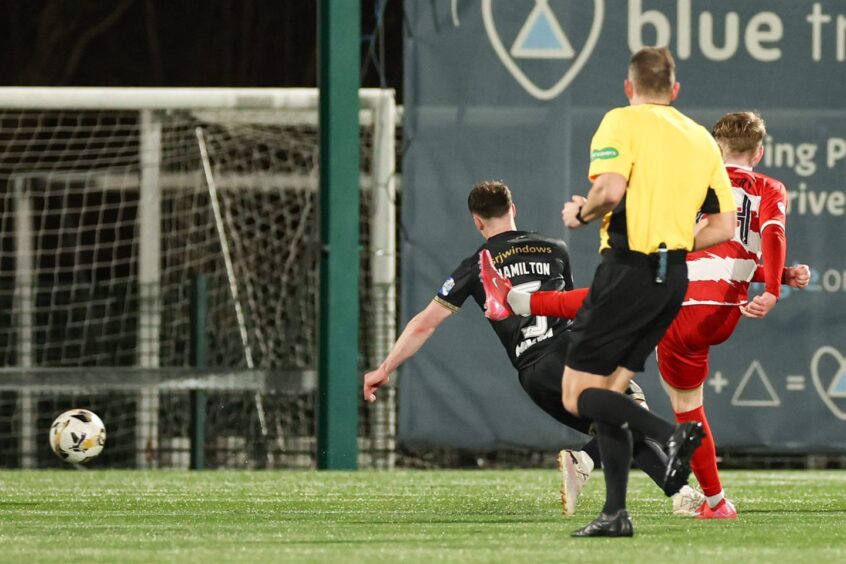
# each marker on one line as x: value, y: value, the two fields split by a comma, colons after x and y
x: 542, y: 382
x: 626, y: 312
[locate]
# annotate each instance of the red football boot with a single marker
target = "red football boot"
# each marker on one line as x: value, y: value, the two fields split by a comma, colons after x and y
x: 496, y: 288
x: 724, y: 510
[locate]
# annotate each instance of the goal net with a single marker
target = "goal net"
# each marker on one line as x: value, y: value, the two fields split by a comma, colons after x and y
x: 112, y: 203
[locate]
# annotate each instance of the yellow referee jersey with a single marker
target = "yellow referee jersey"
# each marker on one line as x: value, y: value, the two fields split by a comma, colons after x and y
x: 671, y: 163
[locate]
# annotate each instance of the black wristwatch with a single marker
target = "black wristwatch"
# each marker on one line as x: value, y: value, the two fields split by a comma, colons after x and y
x: 579, y: 216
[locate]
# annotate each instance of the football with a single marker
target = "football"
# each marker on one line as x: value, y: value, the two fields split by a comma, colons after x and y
x: 77, y: 436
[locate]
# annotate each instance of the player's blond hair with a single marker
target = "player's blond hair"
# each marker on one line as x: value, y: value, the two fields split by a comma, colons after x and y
x: 740, y: 132
x: 653, y: 70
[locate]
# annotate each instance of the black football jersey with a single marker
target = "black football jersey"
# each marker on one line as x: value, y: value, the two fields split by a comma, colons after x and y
x: 531, y: 262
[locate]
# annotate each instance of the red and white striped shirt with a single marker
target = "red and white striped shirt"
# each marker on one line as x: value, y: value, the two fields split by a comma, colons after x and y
x: 720, y: 275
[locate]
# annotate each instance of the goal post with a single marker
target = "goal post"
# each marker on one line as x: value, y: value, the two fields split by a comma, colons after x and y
x: 105, y: 220
x: 339, y: 37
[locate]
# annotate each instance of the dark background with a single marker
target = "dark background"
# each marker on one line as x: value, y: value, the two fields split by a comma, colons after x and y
x: 184, y: 43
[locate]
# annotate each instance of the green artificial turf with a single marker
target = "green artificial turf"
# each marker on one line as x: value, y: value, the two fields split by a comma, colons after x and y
x: 422, y: 516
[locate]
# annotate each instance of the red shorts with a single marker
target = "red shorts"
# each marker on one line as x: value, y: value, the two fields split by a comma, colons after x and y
x: 683, y: 351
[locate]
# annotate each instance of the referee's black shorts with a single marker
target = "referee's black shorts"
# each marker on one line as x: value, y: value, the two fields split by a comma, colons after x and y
x: 626, y: 312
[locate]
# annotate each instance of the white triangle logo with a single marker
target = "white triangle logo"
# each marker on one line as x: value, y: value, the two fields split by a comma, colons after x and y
x: 837, y: 389
x: 541, y: 37
x: 755, y: 397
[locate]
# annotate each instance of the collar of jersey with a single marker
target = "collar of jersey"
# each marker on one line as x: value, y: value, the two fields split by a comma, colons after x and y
x: 740, y: 166
x: 507, y: 234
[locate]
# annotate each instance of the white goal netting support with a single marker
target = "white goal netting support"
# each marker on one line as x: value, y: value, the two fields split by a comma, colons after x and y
x: 112, y: 201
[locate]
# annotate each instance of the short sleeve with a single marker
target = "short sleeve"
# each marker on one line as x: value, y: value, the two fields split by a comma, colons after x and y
x: 773, y: 205
x: 566, y: 271
x: 720, y: 184
x: 459, y: 286
x: 610, y: 148
x: 711, y: 204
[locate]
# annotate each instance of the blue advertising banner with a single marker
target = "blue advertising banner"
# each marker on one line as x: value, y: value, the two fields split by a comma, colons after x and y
x: 514, y: 89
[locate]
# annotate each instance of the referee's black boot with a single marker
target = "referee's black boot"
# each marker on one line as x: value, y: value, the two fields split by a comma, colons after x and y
x: 680, y: 448
x: 614, y: 525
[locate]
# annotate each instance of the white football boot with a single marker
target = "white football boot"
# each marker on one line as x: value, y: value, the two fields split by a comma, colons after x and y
x: 575, y: 467
x: 686, y: 501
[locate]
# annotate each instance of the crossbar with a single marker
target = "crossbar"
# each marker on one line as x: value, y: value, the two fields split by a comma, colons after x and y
x: 110, y: 98
x: 80, y: 380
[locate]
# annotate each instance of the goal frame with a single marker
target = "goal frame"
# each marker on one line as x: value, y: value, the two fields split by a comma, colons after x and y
x: 296, y: 106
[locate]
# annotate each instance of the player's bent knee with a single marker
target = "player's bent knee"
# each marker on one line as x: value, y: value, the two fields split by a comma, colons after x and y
x: 571, y: 403
x: 574, y: 383
x: 685, y: 400
x: 570, y: 399
x: 619, y: 379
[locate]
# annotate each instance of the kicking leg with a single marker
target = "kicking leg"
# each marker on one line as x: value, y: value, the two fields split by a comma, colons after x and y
x: 683, y: 364
x: 688, y: 406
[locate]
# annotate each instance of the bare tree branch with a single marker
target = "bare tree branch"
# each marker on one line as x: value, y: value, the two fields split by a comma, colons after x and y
x: 91, y: 33
x: 153, y: 44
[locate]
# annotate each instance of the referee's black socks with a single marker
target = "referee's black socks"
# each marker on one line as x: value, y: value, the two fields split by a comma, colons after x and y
x: 608, y: 406
x: 648, y: 455
x: 615, y: 444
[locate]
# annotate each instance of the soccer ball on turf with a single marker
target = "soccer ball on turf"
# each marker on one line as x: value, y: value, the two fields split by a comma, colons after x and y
x: 77, y: 436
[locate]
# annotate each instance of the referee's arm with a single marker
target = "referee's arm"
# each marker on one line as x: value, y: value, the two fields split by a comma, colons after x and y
x: 718, y: 228
x: 719, y: 204
x: 607, y: 191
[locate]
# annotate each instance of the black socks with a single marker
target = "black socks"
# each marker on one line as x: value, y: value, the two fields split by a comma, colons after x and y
x: 591, y: 448
x: 648, y: 455
x: 616, y: 417
x: 608, y: 406
x: 615, y: 444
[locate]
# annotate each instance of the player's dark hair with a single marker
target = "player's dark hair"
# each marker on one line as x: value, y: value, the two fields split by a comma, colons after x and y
x: 740, y: 132
x: 653, y: 70
x: 489, y: 198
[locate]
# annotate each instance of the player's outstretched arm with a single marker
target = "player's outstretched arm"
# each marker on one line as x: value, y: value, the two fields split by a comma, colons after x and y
x: 415, y: 334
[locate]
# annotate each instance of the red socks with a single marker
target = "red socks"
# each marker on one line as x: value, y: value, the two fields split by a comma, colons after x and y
x: 558, y: 304
x: 704, y: 461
